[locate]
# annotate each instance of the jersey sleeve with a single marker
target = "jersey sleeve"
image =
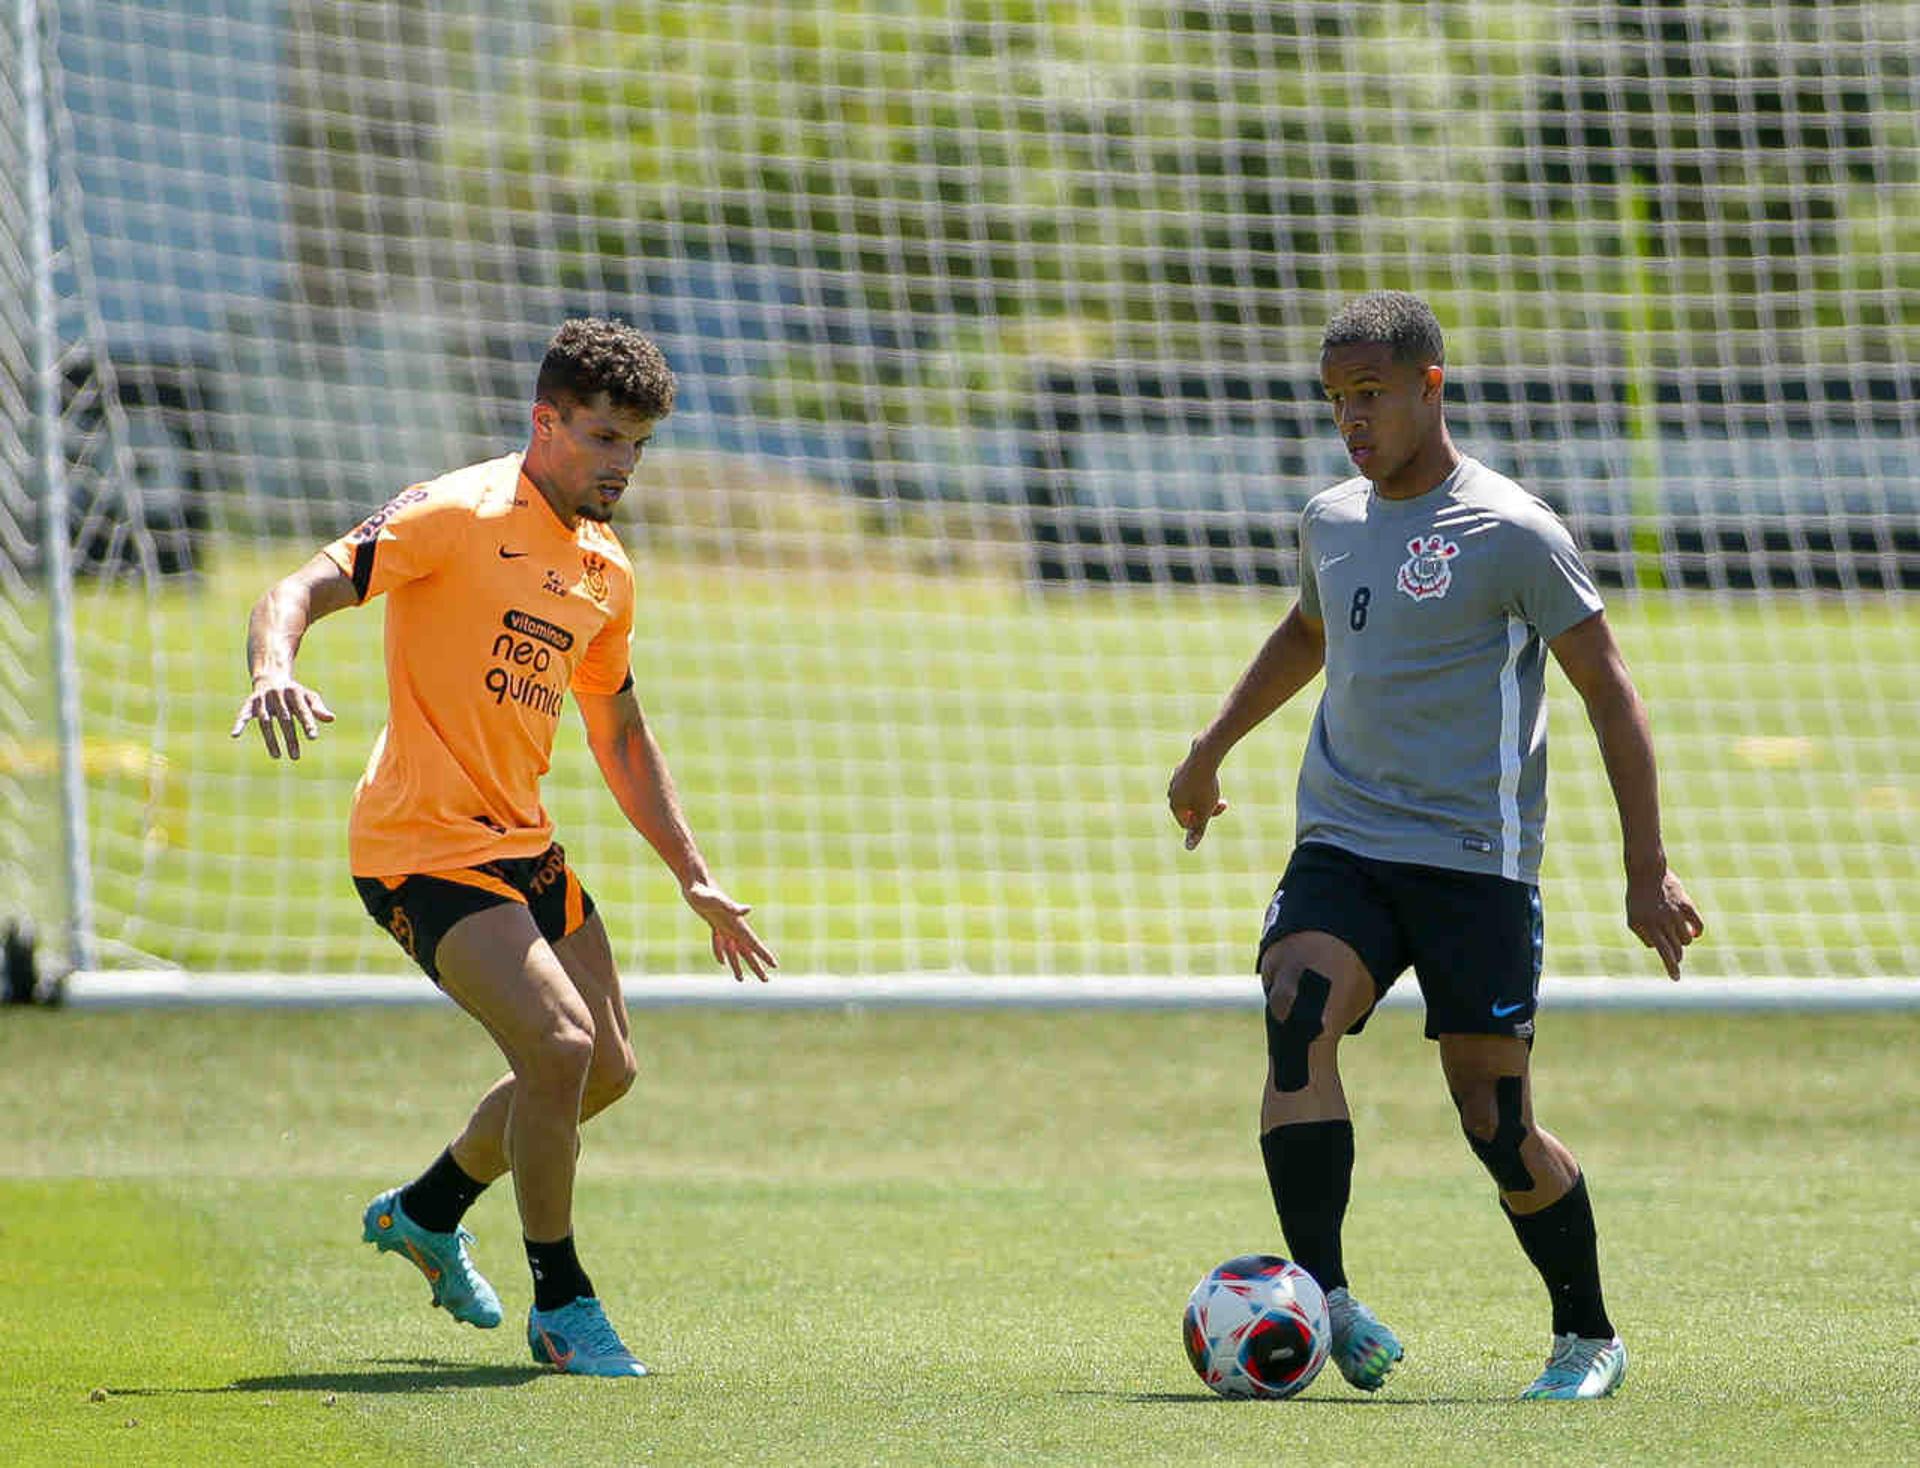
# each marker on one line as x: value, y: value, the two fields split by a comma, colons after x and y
x: 1309, y: 581
x: 410, y: 536
x: 1553, y: 589
x: 605, y: 666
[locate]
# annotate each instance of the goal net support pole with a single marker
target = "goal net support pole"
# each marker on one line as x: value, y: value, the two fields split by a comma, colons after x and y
x: 52, y: 489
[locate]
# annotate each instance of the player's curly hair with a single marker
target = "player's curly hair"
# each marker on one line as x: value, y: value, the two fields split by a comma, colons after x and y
x: 589, y: 355
x: 1394, y: 319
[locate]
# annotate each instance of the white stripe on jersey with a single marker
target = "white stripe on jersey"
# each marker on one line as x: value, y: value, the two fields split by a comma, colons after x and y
x: 1510, y: 750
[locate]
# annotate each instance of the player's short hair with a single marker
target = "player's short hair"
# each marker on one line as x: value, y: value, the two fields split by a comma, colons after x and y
x: 1393, y: 319
x: 590, y: 355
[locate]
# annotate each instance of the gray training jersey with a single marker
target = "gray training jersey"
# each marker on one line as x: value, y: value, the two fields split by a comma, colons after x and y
x: 1430, y: 742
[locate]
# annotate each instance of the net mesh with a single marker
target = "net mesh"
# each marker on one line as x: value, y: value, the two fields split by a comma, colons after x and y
x: 997, y: 327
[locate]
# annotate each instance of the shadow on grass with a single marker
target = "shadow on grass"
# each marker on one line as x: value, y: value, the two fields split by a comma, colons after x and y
x: 1210, y: 1399
x: 390, y: 1376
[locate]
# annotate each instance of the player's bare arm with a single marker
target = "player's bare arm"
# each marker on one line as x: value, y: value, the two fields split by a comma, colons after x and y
x: 1285, y: 664
x: 1659, y: 911
x: 636, y: 772
x: 279, y: 620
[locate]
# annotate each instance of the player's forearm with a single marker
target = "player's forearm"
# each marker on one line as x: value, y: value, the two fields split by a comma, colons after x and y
x: 274, y: 629
x: 286, y: 610
x: 636, y: 772
x: 1626, y: 748
x: 1283, y: 666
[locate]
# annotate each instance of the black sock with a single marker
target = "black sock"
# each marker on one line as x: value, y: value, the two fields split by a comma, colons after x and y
x: 1565, y: 1247
x: 440, y: 1197
x: 558, y: 1278
x: 1310, y: 1169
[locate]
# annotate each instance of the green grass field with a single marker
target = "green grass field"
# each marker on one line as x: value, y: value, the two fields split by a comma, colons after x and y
x: 926, y: 1237
x: 934, y: 772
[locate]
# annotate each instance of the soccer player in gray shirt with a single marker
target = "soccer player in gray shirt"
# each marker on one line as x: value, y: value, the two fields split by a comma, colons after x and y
x: 1431, y: 590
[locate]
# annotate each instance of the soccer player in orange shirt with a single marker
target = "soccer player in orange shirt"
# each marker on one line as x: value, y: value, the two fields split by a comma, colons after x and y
x: 505, y: 589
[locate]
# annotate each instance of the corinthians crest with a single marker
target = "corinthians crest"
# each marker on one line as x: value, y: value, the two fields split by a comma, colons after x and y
x: 595, y: 579
x: 1427, y: 571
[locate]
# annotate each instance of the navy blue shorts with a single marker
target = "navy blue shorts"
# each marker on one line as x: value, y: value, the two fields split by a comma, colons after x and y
x: 418, y: 910
x: 1473, y: 940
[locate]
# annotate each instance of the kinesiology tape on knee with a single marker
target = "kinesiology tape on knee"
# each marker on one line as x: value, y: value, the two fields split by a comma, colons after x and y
x: 1500, y: 1154
x: 1288, y: 1039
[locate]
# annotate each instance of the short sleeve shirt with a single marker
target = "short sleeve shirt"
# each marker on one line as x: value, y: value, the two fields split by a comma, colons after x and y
x: 1429, y: 744
x: 494, y: 610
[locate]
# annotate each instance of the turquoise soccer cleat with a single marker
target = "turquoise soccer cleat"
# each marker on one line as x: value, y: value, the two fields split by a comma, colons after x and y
x: 578, y: 1338
x: 1579, y: 1369
x: 458, y: 1288
x: 1363, y: 1349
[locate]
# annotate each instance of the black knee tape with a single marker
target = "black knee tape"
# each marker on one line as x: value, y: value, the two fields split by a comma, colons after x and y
x: 1288, y: 1039
x: 1501, y: 1153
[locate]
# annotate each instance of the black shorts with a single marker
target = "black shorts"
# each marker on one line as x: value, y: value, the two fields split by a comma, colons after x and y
x: 1473, y: 940
x: 418, y: 910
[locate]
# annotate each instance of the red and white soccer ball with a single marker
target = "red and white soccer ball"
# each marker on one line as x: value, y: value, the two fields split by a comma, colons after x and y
x: 1257, y: 1326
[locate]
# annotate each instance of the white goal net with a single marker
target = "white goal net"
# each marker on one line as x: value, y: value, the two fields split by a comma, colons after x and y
x: 997, y: 329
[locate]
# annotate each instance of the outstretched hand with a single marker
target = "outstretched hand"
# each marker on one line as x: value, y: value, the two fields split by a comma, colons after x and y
x: 293, y: 708
x: 734, y: 943
x: 1193, y: 795
x: 1663, y: 917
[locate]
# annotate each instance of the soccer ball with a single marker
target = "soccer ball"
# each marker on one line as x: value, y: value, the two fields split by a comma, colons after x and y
x: 1257, y: 1326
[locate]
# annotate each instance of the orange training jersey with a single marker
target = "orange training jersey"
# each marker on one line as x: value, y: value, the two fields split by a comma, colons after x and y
x: 494, y: 610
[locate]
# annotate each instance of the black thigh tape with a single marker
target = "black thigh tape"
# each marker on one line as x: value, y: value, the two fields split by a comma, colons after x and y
x: 1288, y: 1039
x: 1501, y: 1153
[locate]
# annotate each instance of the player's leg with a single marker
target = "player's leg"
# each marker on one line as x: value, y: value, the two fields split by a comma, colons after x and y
x: 1319, y: 988
x: 498, y: 968
x: 480, y: 1151
x: 565, y: 915
x: 503, y: 971
x: 566, y: 1325
x: 1491, y: 1082
x: 1479, y: 957
x: 587, y: 957
x: 421, y: 1221
x: 1544, y: 1196
x: 559, y: 1333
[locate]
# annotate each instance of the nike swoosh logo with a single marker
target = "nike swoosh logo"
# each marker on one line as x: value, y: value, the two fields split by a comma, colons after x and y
x: 425, y: 1264
x: 554, y: 1355
x: 507, y: 555
x: 1326, y: 561
x: 1501, y: 1011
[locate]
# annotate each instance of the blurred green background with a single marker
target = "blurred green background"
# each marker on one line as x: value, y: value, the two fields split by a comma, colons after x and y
x: 996, y: 324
